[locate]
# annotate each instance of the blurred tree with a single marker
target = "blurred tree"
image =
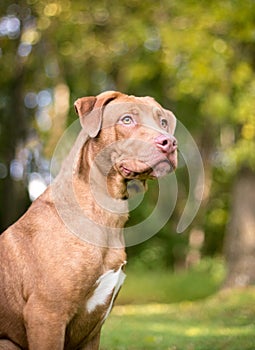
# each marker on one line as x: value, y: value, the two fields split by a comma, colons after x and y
x: 240, y: 239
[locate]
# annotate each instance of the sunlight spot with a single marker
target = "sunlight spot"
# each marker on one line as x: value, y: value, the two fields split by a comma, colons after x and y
x: 152, y: 43
x: 52, y: 9
x: 24, y: 49
x: 10, y: 26
x: 30, y: 36
x: 194, y: 331
x: 16, y: 170
x: 43, y: 119
x: 149, y: 309
x: 30, y: 100
x: 36, y: 186
x: 44, y: 98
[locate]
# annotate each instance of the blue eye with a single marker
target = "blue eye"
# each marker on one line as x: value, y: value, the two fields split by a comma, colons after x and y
x: 127, y: 120
x: 164, y: 123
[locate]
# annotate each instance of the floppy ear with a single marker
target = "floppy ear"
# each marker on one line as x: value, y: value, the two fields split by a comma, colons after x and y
x: 90, y: 110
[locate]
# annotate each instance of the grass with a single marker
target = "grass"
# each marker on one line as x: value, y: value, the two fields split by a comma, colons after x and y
x: 183, y: 311
x: 143, y: 287
x: 225, y: 321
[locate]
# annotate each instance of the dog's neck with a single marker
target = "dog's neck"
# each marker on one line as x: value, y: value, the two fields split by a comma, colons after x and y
x: 82, y: 198
x: 101, y: 207
x: 98, y: 181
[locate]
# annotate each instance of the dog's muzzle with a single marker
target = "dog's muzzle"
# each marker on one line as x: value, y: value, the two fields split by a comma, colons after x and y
x: 152, y: 161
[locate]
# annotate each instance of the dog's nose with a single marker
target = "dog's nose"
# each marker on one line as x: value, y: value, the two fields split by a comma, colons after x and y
x: 166, y: 143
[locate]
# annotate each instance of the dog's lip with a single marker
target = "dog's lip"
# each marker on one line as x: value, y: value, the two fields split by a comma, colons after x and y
x: 149, y: 171
x: 129, y: 173
x: 125, y: 170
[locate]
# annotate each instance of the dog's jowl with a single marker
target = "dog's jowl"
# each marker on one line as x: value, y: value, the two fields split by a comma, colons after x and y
x: 62, y: 262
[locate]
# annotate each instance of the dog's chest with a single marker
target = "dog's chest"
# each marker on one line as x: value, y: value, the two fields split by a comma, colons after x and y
x: 106, y: 289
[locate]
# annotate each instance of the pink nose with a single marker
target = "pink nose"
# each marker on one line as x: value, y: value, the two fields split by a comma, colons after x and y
x: 166, y: 143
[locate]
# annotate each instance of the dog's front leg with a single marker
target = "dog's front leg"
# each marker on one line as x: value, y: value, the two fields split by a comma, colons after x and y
x: 45, y: 328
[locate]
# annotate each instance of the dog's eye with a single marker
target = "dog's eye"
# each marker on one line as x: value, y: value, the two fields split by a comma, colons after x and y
x: 127, y: 120
x: 163, y: 123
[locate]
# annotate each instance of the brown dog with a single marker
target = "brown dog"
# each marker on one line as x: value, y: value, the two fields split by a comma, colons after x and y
x: 62, y: 262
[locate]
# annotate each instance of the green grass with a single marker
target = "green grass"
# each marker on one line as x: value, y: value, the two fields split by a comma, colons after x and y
x: 143, y: 287
x: 225, y: 321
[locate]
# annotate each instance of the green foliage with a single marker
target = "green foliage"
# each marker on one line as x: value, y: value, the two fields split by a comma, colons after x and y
x: 224, y: 321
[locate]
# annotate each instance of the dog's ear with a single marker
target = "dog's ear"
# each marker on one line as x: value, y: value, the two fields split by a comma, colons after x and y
x: 90, y: 110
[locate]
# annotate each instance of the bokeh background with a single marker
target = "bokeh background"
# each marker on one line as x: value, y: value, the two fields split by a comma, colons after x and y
x: 196, y: 58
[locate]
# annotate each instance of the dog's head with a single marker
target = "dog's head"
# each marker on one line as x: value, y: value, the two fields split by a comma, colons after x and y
x: 136, y: 133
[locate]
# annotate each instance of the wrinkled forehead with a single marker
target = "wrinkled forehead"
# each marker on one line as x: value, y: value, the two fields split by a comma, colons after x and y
x: 146, y: 109
x: 130, y: 99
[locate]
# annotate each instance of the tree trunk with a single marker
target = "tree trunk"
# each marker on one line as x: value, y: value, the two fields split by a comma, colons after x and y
x: 240, y: 237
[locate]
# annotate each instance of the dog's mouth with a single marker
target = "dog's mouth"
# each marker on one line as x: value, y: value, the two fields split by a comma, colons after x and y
x: 130, y: 173
x: 135, y: 169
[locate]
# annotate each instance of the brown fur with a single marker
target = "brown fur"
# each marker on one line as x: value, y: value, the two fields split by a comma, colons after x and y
x: 47, y: 274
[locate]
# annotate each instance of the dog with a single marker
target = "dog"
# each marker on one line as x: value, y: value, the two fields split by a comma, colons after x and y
x: 62, y: 262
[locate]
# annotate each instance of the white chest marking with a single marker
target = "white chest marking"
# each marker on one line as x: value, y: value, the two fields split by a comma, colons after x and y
x: 107, y: 284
